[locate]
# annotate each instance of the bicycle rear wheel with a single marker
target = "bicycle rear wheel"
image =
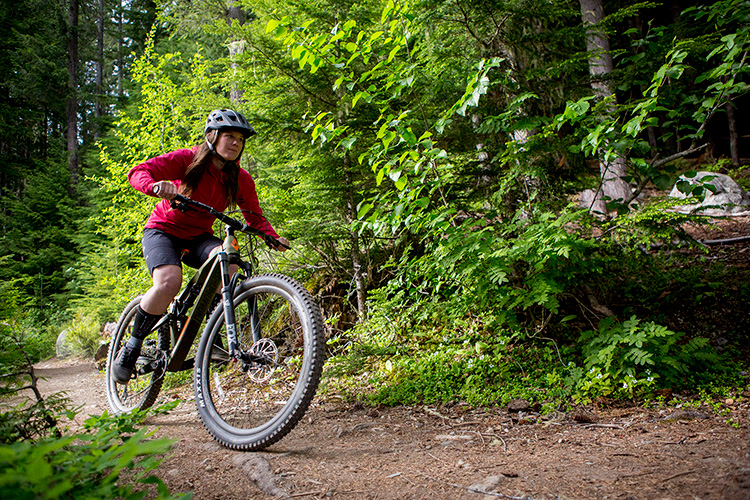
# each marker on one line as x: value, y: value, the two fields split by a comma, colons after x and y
x: 251, y: 403
x: 141, y: 391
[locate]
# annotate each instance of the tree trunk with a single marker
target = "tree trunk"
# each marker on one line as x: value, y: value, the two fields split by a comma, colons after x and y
x: 733, y: 137
x: 99, y: 71
x: 613, y: 187
x: 359, y: 276
x: 236, y: 48
x: 72, y: 103
x: 120, y: 63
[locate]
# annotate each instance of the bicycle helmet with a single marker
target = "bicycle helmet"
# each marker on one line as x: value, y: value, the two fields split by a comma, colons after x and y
x: 226, y: 118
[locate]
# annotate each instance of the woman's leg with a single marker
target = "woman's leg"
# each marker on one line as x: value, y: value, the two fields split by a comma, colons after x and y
x: 167, y: 280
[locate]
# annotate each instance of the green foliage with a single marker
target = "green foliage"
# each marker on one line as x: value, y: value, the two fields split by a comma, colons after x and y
x: 512, y: 271
x: 83, y: 334
x: 88, y: 464
x: 32, y: 421
x: 22, y: 340
x: 657, y: 222
x: 419, y: 363
x: 480, y: 373
x: 679, y: 110
x: 377, y: 75
x: 629, y: 358
x: 38, y: 239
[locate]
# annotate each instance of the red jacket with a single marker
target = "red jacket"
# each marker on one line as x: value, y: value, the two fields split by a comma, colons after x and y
x: 210, y: 190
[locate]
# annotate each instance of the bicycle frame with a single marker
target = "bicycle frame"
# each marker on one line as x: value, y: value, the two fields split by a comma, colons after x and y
x: 201, y: 290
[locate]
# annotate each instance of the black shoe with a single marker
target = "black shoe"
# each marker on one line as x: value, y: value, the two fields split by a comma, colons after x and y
x: 122, y: 368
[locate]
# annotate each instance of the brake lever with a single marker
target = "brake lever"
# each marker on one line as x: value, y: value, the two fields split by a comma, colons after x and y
x: 182, y: 207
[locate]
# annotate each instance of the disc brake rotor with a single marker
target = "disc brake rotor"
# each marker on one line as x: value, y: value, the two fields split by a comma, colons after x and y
x: 265, y: 349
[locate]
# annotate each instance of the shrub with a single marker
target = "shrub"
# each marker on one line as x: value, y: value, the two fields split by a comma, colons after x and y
x: 88, y: 464
x: 83, y: 334
x: 625, y: 359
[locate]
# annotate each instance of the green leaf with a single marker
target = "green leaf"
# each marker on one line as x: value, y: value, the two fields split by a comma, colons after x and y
x: 348, y: 142
x: 364, y: 209
x: 272, y: 25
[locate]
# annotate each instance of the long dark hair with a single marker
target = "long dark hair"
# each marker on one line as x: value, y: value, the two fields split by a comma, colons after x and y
x: 201, y: 162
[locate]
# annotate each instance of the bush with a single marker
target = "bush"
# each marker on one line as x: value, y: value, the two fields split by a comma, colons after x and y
x: 31, y: 421
x: 88, y: 464
x: 83, y: 334
x: 629, y: 358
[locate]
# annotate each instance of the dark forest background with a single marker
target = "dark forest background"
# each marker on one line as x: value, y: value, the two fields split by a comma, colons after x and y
x: 426, y: 158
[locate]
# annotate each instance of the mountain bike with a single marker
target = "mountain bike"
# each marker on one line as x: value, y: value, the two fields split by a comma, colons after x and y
x: 259, y: 358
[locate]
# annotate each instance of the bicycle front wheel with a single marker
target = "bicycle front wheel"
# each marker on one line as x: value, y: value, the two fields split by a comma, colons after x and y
x: 141, y: 391
x: 252, y: 402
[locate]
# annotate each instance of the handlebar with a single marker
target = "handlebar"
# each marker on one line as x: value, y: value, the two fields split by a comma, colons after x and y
x: 183, y: 203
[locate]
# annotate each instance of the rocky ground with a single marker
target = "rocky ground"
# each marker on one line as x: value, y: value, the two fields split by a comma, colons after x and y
x: 452, y: 453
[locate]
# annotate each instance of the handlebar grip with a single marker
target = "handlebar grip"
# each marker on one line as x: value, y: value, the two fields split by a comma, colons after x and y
x: 155, y: 189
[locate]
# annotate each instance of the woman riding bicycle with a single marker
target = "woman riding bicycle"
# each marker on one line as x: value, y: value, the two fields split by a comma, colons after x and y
x: 209, y: 173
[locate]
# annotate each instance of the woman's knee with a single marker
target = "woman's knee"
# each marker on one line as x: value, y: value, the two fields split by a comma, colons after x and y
x: 168, y: 279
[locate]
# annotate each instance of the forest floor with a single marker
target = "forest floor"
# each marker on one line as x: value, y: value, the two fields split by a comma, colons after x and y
x: 348, y: 451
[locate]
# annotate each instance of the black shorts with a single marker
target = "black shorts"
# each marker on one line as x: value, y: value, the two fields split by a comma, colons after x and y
x: 160, y: 249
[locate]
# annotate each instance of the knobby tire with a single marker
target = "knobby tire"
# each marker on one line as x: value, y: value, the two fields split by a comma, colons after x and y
x: 252, y: 409
x: 140, y: 392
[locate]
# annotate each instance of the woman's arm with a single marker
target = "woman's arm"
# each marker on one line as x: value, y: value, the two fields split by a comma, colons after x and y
x: 167, y: 167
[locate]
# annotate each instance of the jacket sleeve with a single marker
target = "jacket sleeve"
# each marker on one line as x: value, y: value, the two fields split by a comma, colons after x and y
x: 247, y: 200
x: 167, y: 167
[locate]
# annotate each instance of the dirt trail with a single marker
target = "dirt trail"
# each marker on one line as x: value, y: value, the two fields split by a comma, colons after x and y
x: 351, y: 452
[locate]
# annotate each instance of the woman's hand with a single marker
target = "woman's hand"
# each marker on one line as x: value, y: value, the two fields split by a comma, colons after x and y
x: 164, y: 189
x: 283, y: 241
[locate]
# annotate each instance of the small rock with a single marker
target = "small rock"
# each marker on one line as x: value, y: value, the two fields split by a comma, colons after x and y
x: 211, y: 446
x: 259, y: 471
x: 686, y: 415
x: 727, y: 198
x: 517, y: 405
x: 488, y: 484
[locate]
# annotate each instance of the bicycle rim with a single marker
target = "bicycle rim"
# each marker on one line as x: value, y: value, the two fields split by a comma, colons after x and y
x: 249, y: 406
x: 141, y: 391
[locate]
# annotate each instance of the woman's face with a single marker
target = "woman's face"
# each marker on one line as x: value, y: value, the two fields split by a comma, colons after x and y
x: 230, y: 144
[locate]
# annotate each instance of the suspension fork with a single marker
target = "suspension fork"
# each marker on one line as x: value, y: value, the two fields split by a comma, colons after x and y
x: 227, y: 296
x: 229, y: 254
